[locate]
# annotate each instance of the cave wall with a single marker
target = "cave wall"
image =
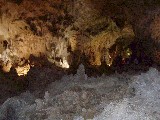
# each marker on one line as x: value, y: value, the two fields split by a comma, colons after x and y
x: 60, y: 29
x: 31, y: 28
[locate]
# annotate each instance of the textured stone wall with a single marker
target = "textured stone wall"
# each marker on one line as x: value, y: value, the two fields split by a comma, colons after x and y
x: 60, y: 29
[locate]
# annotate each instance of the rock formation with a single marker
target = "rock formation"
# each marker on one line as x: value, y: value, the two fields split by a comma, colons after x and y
x: 59, y: 29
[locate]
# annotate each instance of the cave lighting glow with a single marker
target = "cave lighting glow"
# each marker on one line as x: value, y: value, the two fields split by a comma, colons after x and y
x: 110, y: 63
x: 22, y: 70
x: 64, y: 63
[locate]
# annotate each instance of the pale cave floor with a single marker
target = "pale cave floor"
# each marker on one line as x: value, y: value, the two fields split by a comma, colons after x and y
x: 128, y: 93
x: 38, y: 78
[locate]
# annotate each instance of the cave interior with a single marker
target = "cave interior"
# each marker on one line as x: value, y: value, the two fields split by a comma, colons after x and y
x: 48, y: 39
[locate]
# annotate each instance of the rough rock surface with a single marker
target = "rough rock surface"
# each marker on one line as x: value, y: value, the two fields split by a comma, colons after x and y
x: 50, y: 28
x: 59, y: 29
x: 79, y: 97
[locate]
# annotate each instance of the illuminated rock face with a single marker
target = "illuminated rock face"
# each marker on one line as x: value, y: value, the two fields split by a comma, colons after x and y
x: 57, y: 29
x: 31, y: 28
x: 22, y: 70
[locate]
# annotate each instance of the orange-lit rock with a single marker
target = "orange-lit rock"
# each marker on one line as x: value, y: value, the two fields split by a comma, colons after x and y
x: 57, y: 29
x: 22, y: 70
x: 31, y: 28
x: 7, y: 67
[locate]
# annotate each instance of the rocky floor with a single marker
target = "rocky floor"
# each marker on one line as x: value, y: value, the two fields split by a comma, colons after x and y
x: 79, y: 97
x: 39, y: 78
